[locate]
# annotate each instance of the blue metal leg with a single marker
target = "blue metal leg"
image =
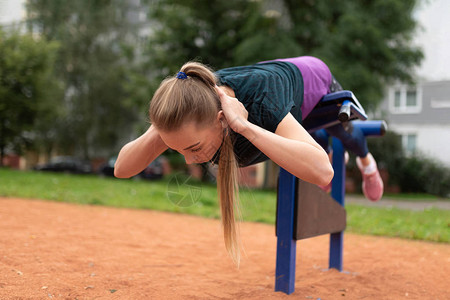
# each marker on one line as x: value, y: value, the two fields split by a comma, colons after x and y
x: 338, y: 193
x: 286, y: 245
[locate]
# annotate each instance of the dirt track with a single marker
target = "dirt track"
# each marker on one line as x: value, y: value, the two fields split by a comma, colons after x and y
x: 62, y: 251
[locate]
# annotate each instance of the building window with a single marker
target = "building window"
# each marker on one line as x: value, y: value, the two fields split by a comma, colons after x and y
x: 409, y: 142
x: 405, y: 100
x: 397, y: 101
x: 411, y: 98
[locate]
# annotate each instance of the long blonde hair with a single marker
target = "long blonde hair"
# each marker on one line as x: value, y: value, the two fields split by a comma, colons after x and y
x: 178, y: 101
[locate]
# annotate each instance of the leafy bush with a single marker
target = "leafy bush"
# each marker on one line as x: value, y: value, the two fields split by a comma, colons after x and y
x: 424, y: 175
x: 413, y: 174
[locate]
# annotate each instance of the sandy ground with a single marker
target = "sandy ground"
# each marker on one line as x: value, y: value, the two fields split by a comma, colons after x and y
x: 62, y: 251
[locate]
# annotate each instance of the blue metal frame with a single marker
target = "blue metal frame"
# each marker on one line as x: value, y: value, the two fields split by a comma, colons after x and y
x: 286, y: 245
x: 339, y: 96
x: 371, y: 128
x: 323, y: 116
x: 356, y: 112
x: 338, y: 193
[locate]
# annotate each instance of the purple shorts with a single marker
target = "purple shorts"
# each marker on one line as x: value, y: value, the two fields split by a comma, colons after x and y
x: 316, y: 80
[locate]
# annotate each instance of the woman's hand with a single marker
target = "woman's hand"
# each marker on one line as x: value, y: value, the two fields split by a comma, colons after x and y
x: 234, y: 111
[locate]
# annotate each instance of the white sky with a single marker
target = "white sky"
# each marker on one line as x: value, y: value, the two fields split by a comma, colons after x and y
x: 433, y: 36
x: 11, y: 10
x: 434, y: 39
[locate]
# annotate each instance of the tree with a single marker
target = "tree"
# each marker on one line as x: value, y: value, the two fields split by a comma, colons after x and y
x: 219, y: 33
x: 365, y: 43
x: 26, y: 65
x: 95, y: 63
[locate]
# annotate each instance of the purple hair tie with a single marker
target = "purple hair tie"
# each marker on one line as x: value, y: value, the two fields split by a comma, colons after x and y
x: 181, y: 75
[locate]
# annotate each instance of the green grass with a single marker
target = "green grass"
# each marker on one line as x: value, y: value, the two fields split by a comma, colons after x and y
x: 257, y: 205
x: 430, y: 224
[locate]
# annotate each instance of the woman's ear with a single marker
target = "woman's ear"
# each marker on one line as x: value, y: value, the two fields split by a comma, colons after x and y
x: 221, y: 118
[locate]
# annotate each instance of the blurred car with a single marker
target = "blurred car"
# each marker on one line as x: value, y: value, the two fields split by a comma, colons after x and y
x: 66, y: 164
x: 153, y: 171
x: 107, y: 169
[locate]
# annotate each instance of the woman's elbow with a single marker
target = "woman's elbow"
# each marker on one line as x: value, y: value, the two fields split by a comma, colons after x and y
x: 119, y: 172
x: 326, y: 175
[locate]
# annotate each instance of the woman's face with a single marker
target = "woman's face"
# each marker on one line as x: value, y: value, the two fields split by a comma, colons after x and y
x: 197, y: 144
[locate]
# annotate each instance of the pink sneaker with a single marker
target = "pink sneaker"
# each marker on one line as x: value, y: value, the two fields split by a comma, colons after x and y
x: 372, y: 185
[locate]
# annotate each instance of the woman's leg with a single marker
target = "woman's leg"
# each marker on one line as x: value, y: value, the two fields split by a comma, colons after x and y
x: 354, y: 140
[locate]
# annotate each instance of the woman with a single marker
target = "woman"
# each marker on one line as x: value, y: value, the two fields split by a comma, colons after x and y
x: 253, y: 115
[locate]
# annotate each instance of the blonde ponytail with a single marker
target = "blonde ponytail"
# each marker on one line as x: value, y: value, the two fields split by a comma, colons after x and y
x: 194, y: 99
x: 228, y: 191
x: 201, y: 72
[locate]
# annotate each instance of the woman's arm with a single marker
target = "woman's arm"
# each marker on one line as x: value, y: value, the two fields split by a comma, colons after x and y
x: 291, y: 147
x: 138, y: 154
